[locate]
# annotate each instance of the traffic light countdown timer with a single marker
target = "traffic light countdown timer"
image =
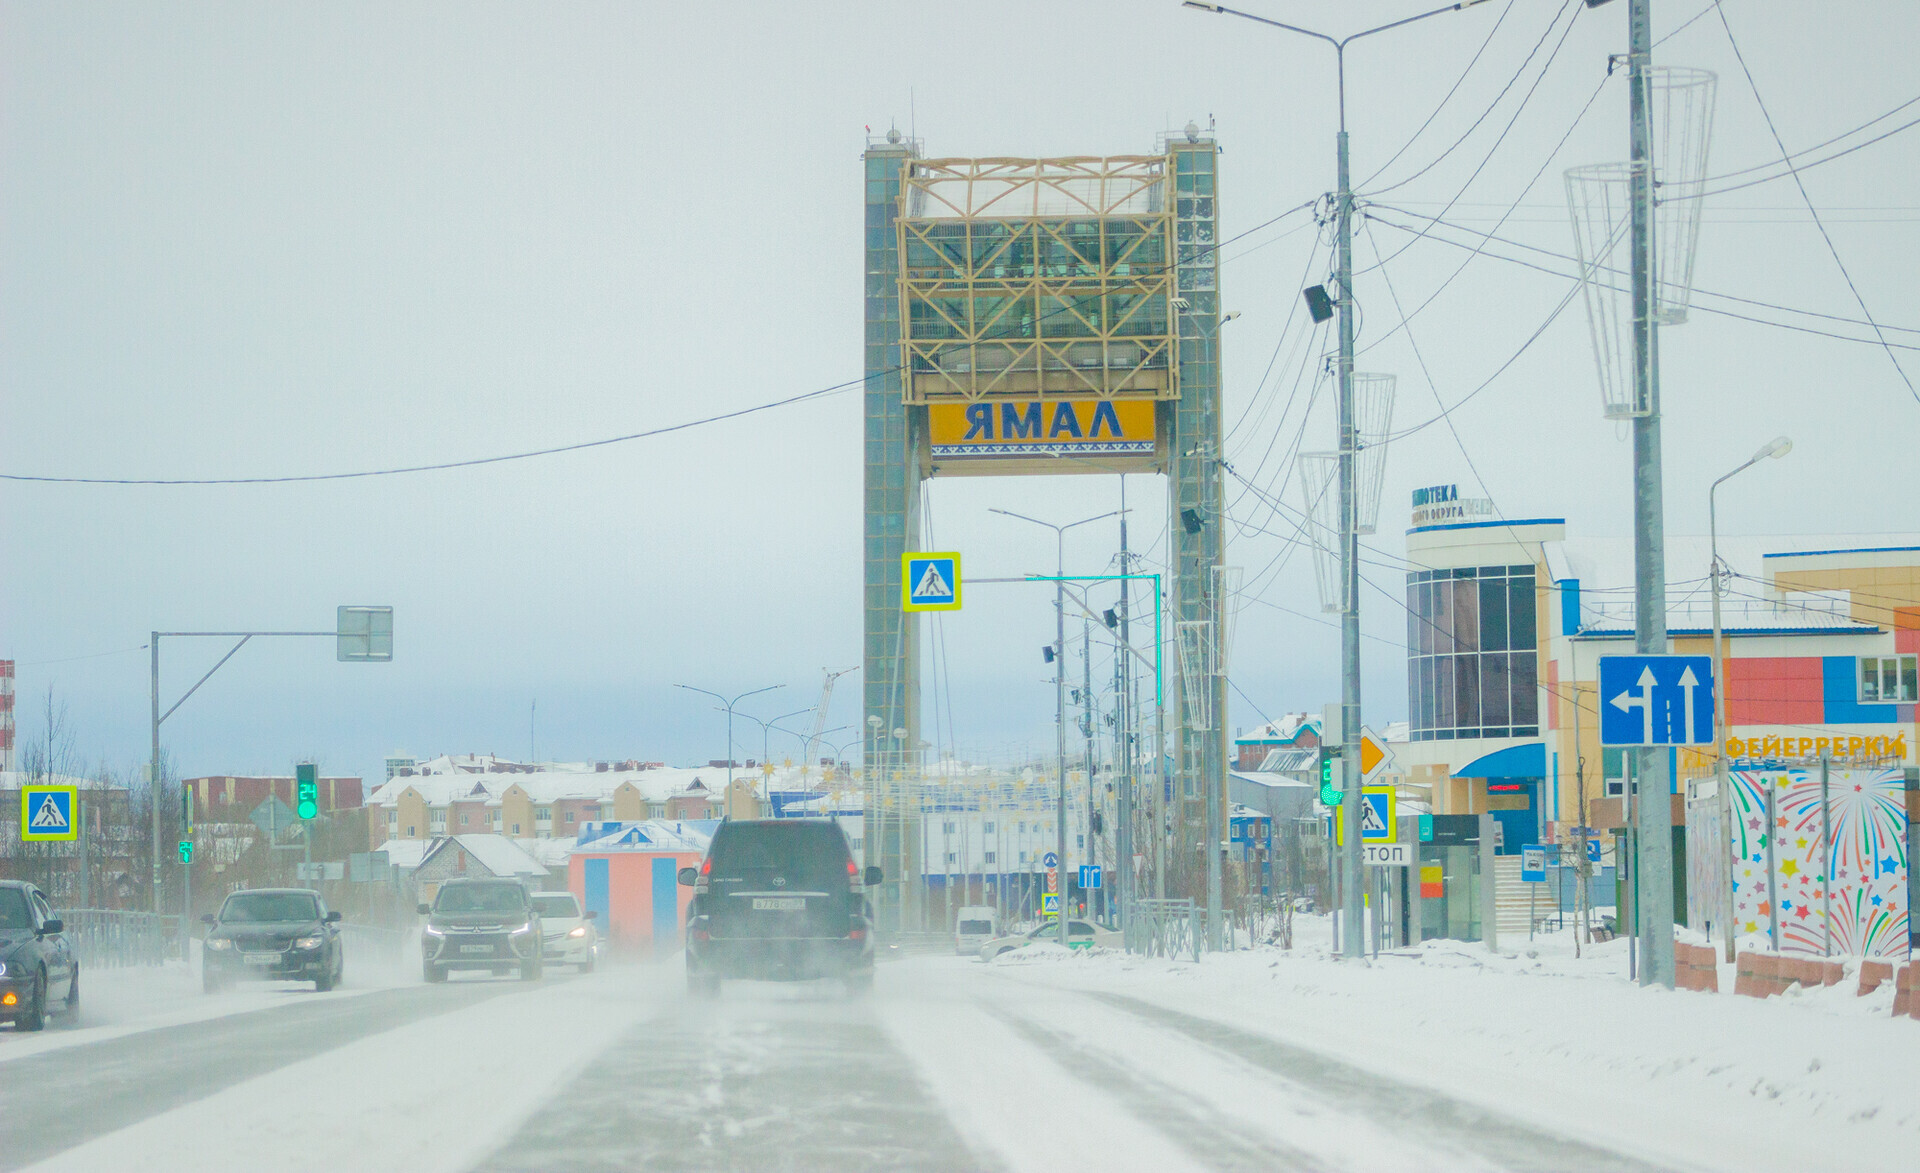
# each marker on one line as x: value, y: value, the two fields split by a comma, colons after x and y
x: 306, y: 790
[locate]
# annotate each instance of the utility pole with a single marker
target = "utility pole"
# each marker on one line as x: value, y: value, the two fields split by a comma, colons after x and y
x: 1352, y: 941
x: 1649, y: 517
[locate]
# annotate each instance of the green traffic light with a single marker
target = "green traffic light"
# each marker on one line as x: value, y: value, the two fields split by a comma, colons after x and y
x: 307, y: 797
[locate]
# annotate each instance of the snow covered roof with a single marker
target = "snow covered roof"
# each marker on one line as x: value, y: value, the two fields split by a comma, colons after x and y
x: 406, y: 854
x: 496, y: 853
x: 448, y: 779
x: 647, y: 835
x: 1286, y: 730
x: 1604, y: 568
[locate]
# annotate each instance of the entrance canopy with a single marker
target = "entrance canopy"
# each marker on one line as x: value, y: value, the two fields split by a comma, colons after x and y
x: 1515, y: 761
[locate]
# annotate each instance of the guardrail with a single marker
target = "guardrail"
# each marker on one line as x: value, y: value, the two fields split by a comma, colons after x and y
x: 112, y: 938
x: 1165, y: 928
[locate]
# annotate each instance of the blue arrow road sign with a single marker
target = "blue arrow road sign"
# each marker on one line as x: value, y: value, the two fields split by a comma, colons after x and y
x: 1656, y: 700
x: 1089, y: 875
x: 1593, y: 851
x: 1050, y: 860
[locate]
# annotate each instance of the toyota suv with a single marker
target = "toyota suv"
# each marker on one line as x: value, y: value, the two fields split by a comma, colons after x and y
x: 778, y: 900
x: 480, y: 924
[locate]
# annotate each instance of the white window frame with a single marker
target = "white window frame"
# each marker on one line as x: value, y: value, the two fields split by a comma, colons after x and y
x: 1896, y: 665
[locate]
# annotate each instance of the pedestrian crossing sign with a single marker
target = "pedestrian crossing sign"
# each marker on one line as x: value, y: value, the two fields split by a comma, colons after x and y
x: 1050, y: 904
x: 930, y: 582
x: 46, y: 813
x: 1377, y: 814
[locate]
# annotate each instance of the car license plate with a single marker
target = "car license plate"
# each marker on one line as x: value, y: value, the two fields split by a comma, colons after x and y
x: 263, y: 959
x: 779, y: 903
x: 476, y: 948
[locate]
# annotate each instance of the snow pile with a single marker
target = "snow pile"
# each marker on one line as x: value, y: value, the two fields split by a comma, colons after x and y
x: 1567, y: 1044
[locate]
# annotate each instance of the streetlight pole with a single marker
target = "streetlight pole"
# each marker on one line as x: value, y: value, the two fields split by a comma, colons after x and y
x: 1060, y: 688
x: 766, y: 761
x: 1352, y: 940
x: 728, y: 706
x: 1779, y: 447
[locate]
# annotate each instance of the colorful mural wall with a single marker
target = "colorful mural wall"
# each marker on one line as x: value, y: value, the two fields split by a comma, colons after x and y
x: 1838, y: 882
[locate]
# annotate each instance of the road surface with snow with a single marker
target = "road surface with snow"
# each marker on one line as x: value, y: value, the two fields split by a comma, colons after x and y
x: 1438, y: 1058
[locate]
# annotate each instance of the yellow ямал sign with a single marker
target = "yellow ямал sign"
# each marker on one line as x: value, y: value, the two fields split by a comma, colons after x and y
x: 1041, y: 427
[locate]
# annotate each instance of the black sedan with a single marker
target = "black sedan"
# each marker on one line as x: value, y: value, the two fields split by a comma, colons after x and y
x: 37, y: 965
x: 273, y: 934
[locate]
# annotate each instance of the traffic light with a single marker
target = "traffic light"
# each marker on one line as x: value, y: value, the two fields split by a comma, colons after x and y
x: 306, y: 790
x: 1333, y: 775
x: 186, y: 851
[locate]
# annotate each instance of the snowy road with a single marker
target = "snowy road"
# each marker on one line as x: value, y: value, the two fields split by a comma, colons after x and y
x: 1077, y: 1063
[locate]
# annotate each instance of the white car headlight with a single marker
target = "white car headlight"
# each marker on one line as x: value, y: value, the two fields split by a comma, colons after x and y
x: 306, y: 943
x: 579, y: 931
x: 432, y: 932
x: 211, y: 943
x: 3, y: 969
x: 525, y: 928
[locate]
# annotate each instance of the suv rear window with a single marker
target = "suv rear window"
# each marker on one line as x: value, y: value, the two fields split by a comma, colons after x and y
x: 808, y: 852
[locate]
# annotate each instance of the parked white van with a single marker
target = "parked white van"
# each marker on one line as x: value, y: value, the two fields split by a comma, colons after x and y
x: 975, y: 926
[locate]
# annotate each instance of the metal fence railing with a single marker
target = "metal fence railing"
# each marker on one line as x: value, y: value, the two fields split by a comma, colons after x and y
x: 1165, y: 928
x: 111, y: 938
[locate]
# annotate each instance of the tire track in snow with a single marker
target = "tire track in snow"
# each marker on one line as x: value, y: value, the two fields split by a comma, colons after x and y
x: 782, y: 1079
x: 1460, y: 1125
x: 1211, y: 1137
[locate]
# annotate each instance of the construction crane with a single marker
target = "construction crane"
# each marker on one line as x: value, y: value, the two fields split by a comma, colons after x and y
x: 820, y: 717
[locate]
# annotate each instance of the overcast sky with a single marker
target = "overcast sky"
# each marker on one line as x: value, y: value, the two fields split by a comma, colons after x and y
x: 241, y: 240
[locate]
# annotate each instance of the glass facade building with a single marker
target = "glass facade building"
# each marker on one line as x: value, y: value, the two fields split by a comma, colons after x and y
x: 1472, y: 653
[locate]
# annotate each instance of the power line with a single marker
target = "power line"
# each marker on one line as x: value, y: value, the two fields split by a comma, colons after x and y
x: 1725, y: 313
x: 1806, y: 150
x: 1547, y: 252
x: 1792, y: 171
x: 1808, y: 200
x: 1518, y: 73
x: 1545, y: 162
x: 1457, y: 82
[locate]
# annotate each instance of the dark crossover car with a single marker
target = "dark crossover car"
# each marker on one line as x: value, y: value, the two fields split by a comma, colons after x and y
x: 480, y: 924
x: 37, y: 965
x: 272, y: 934
x: 778, y: 900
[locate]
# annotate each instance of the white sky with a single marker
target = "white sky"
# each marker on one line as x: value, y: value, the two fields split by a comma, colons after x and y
x: 243, y: 240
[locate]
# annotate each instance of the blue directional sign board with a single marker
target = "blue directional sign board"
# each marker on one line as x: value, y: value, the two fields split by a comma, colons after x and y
x: 930, y: 582
x: 1656, y: 700
x: 1089, y: 875
x: 46, y: 813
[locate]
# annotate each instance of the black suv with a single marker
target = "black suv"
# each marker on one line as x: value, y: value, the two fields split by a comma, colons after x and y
x: 480, y: 924
x: 272, y: 934
x: 778, y: 900
x: 36, y: 963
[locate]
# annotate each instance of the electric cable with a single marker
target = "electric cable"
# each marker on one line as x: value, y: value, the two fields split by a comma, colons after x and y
x: 1454, y: 89
x: 1808, y: 200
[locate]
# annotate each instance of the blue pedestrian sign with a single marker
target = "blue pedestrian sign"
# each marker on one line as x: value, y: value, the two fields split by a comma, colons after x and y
x: 1050, y: 904
x: 930, y: 582
x: 46, y: 813
x: 1089, y: 875
x: 1656, y: 700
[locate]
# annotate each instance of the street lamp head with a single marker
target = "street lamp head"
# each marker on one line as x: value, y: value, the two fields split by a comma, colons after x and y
x: 900, y: 733
x: 874, y: 722
x: 1780, y: 446
x: 1202, y: 7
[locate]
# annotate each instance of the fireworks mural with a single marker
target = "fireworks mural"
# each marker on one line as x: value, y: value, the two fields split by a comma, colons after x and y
x: 1839, y: 859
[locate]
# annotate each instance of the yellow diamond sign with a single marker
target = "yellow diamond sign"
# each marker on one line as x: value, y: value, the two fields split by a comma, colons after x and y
x: 1373, y: 753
